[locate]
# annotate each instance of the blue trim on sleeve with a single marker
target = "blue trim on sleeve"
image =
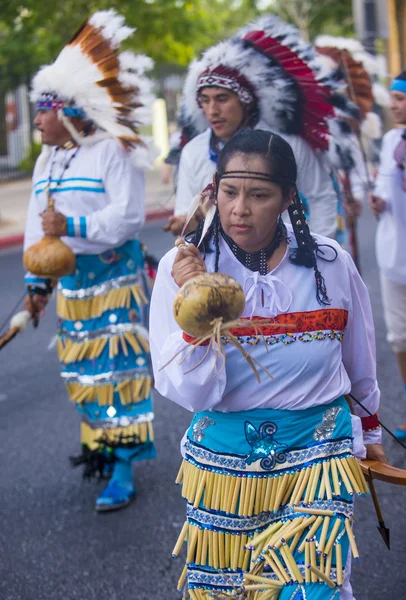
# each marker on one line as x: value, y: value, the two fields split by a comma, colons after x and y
x: 82, y: 227
x: 70, y: 226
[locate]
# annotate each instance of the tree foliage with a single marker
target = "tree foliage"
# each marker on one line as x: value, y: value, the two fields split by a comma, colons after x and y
x: 315, y: 17
x: 171, y: 31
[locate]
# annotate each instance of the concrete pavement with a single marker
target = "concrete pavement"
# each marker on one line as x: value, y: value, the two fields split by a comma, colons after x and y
x: 15, y: 195
x: 54, y: 546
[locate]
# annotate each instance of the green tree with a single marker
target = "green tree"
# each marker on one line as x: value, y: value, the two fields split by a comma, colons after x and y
x: 314, y: 17
x: 170, y: 31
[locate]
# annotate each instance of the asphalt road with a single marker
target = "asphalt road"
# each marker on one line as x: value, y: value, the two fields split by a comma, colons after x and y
x: 54, y: 546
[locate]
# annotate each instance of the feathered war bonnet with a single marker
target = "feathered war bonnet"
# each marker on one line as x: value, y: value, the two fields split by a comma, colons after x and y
x: 92, y: 80
x: 361, y: 72
x: 276, y: 73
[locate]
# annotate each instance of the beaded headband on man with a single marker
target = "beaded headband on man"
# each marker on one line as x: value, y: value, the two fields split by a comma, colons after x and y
x: 49, y: 101
x: 230, y: 79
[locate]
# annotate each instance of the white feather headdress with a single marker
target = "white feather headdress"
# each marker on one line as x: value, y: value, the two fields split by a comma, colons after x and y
x: 294, y: 91
x: 90, y: 78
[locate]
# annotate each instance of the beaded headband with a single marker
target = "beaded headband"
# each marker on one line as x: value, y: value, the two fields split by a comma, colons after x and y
x: 260, y: 175
x: 52, y: 102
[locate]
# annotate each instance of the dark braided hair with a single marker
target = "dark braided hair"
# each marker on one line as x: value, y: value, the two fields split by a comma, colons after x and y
x: 282, y: 171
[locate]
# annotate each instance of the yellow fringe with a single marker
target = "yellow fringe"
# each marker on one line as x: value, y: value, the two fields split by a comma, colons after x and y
x: 129, y: 390
x: 277, y: 543
x: 91, y: 437
x: 254, y: 495
x: 88, y: 308
x: 70, y: 352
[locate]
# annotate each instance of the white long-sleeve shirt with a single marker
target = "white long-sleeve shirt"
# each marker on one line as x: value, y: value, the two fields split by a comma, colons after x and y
x: 391, y: 232
x: 314, y: 182
x: 101, y: 193
x: 329, y: 352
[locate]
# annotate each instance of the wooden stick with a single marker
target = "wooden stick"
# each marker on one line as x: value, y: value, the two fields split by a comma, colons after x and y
x: 297, y: 487
x: 351, y: 476
x: 314, y: 511
x: 334, y: 473
x: 182, y: 579
x: 315, y: 482
x: 339, y: 564
x: 333, y: 536
x: 291, y: 485
x: 351, y: 538
x: 295, y: 541
x: 302, y: 486
x: 289, y: 553
x: 344, y: 477
x: 274, y: 567
x: 322, y: 489
x: 313, y: 560
x: 291, y: 564
x: 312, y: 531
x: 322, y: 576
x: 324, y: 530
x: 329, y: 558
x: 200, y: 490
x: 259, y: 579
x: 181, y: 539
x: 326, y: 468
x: 307, y: 562
x: 237, y: 487
x: 280, y: 566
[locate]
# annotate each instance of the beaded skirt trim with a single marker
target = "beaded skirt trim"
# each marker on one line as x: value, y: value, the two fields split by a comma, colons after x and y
x: 264, y: 533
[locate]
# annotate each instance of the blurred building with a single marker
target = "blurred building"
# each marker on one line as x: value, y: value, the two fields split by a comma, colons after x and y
x: 15, y: 130
x: 385, y: 19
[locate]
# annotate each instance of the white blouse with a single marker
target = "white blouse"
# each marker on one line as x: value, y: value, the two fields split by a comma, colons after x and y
x: 329, y: 351
x: 101, y: 192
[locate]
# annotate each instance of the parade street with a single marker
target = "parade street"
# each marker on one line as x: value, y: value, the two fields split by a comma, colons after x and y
x: 55, y: 546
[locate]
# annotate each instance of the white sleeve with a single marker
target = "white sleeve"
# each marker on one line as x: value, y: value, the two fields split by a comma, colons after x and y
x: 33, y: 225
x: 185, y: 189
x: 123, y: 217
x: 200, y: 389
x: 359, y: 355
x: 34, y: 232
x: 358, y: 174
x: 382, y: 180
x: 314, y: 182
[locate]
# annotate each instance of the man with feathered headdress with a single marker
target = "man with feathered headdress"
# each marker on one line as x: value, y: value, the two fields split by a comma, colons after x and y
x: 265, y: 77
x: 90, y: 103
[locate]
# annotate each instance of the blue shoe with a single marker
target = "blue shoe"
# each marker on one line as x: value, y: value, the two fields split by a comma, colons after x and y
x: 108, y: 470
x: 120, y: 491
x: 400, y: 434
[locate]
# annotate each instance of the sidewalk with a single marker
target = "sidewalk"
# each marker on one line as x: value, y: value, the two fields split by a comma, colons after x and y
x: 14, y: 198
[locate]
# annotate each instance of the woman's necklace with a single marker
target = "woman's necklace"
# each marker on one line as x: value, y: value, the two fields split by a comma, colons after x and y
x: 257, y: 261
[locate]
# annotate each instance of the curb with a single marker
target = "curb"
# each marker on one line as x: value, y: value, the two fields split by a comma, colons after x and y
x: 12, y: 240
x: 18, y: 238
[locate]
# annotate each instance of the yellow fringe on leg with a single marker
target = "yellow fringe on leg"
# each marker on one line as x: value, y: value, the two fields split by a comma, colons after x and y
x: 129, y: 390
x: 75, y: 309
x: 70, y: 352
x: 91, y: 437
